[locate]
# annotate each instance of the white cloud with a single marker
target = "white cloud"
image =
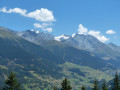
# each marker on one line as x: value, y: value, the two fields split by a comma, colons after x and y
x: 46, y: 24
x: 97, y: 34
x: 15, y: 10
x: 42, y: 14
x: 110, y: 32
x: 82, y: 29
x: 43, y: 26
x: 38, y: 25
x: 48, y: 29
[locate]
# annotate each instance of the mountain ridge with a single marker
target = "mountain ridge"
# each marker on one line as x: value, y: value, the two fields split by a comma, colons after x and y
x: 79, y: 41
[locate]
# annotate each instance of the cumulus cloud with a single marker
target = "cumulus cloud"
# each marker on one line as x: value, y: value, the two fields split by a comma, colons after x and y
x: 82, y: 29
x: 15, y: 10
x: 42, y: 14
x: 48, y: 29
x: 110, y: 32
x: 97, y: 34
x: 38, y: 25
x: 43, y: 26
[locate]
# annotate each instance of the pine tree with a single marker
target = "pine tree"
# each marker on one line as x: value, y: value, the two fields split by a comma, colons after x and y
x: 116, y: 83
x: 95, y: 85
x: 104, y: 86
x: 66, y: 85
x: 12, y: 83
x: 83, y: 87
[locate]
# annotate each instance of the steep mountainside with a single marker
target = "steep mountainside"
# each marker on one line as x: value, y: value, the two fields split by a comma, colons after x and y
x: 79, y: 41
x: 35, y: 36
x: 23, y: 57
x: 114, y: 47
x: 90, y: 43
x: 44, y: 65
x: 65, y: 52
x: 71, y: 54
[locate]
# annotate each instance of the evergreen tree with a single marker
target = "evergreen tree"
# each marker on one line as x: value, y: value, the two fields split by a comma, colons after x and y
x: 12, y: 83
x: 104, y: 86
x: 66, y: 85
x: 116, y: 83
x: 95, y: 85
x: 83, y: 87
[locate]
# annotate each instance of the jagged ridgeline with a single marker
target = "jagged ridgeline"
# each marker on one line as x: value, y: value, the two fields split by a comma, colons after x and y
x: 41, y: 63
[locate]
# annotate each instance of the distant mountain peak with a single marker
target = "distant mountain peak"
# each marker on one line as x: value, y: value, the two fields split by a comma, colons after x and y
x: 62, y: 37
x: 35, y: 36
x: 32, y: 30
x: 36, y: 31
x: 73, y: 34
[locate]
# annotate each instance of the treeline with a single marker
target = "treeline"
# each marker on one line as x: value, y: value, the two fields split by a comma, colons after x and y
x: 12, y: 83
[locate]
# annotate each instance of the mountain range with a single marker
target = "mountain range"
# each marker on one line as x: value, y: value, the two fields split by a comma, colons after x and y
x: 42, y: 60
x: 80, y: 41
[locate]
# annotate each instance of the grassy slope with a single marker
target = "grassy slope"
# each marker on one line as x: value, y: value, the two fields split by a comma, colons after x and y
x: 83, y: 75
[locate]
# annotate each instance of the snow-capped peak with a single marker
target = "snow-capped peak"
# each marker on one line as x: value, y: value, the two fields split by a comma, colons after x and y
x: 37, y: 31
x: 73, y: 35
x: 32, y: 30
x: 58, y: 38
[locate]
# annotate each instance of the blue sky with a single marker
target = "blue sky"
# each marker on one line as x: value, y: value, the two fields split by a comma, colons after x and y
x: 94, y: 17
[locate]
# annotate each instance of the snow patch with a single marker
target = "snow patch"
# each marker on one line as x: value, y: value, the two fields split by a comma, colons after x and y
x: 73, y: 35
x: 32, y: 30
x: 37, y: 31
x: 62, y: 36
